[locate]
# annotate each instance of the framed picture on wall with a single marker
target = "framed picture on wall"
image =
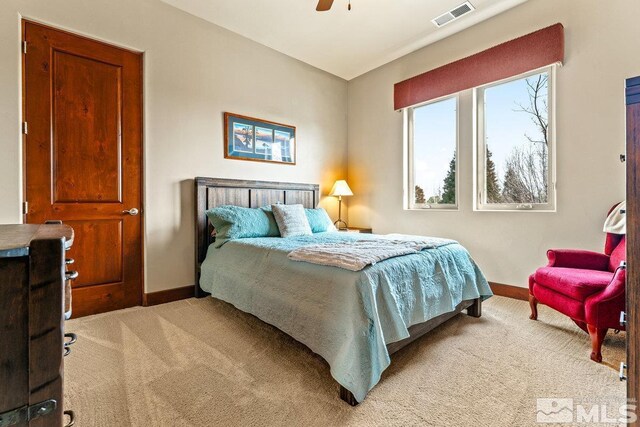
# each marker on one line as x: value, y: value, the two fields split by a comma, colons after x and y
x: 258, y: 140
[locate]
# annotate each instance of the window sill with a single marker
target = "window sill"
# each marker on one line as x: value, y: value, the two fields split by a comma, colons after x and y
x: 550, y: 210
x: 451, y: 209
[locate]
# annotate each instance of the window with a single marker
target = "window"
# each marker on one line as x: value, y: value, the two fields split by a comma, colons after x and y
x: 432, y: 145
x: 515, y: 144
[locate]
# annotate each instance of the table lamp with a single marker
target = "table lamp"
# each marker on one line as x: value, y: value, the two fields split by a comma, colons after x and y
x: 340, y: 188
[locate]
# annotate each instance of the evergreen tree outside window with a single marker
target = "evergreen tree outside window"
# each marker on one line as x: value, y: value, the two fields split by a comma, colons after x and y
x: 449, y: 185
x: 494, y: 192
x: 432, y: 146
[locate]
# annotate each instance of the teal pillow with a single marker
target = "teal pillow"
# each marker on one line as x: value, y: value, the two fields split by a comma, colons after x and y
x: 319, y: 220
x: 235, y: 222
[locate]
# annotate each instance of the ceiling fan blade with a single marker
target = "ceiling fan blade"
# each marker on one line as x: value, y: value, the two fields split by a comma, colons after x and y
x: 324, y: 5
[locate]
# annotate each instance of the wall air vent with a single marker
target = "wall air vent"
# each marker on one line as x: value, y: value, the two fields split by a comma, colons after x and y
x: 453, y: 14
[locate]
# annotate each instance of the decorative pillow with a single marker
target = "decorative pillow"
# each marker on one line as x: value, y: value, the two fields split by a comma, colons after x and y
x: 291, y: 220
x: 319, y: 220
x: 235, y: 222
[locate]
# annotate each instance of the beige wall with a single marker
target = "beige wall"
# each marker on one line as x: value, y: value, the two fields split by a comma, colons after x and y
x: 602, y: 41
x: 193, y: 72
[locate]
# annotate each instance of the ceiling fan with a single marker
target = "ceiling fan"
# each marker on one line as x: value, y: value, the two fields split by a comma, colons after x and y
x: 324, y: 5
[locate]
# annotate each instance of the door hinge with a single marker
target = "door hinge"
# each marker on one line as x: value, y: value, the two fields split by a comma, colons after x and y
x: 25, y: 128
x: 25, y: 208
x: 27, y: 413
x: 24, y: 46
x: 623, y: 319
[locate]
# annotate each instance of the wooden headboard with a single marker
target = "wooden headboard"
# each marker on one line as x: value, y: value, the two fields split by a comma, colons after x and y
x: 212, y: 192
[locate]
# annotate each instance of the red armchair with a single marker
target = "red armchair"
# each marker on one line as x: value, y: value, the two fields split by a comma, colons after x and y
x: 589, y: 287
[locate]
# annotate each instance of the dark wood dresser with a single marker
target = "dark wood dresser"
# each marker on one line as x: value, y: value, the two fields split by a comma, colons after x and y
x: 32, y: 338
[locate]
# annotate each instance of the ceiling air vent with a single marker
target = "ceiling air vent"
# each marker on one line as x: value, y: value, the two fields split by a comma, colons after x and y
x: 453, y: 14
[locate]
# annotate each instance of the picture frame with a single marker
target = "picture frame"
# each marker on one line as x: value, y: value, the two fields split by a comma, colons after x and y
x: 258, y: 140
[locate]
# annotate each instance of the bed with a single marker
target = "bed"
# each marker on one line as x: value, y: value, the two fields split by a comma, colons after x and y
x: 354, y: 319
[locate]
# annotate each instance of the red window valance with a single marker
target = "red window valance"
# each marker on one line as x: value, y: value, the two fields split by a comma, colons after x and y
x: 526, y: 53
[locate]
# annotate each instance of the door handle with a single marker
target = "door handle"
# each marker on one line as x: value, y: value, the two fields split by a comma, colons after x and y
x: 132, y: 211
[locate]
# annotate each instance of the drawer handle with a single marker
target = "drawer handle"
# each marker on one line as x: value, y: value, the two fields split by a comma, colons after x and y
x: 72, y: 339
x: 621, y: 374
x: 72, y: 418
x: 71, y: 275
x: 69, y: 261
x: 67, y: 351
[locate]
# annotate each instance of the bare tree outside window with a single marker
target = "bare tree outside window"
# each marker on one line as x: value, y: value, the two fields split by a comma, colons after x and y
x: 419, y: 193
x: 526, y: 176
x: 514, y: 133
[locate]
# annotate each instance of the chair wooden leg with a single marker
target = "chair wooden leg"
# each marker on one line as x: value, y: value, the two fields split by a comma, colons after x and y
x: 597, y: 337
x: 533, y: 303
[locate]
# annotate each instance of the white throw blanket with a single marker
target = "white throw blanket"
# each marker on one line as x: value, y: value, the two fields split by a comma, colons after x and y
x: 616, y: 222
x: 357, y: 254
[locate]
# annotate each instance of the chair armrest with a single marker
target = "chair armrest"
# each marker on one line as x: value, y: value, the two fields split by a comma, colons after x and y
x: 603, y: 309
x: 575, y: 258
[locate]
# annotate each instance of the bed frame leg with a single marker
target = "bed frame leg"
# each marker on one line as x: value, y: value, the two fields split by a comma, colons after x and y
x: 475, y: 309
x: 199, y: 293
x: 347, y: 396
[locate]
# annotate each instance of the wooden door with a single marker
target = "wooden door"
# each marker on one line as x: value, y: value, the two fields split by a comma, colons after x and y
x: 633, y: 241
x: 83, y: 159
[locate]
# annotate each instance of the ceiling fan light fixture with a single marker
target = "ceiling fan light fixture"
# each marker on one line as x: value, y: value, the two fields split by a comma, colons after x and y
x: 325, y: 5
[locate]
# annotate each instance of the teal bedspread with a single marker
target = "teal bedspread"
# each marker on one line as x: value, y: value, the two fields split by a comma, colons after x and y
x: 347, y: 317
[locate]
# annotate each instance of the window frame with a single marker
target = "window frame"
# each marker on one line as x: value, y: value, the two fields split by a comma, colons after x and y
x: 479, y: 147
x: 409, y: 158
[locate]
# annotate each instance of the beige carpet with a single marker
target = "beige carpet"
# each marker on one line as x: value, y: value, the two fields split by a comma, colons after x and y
x: 204, y: 363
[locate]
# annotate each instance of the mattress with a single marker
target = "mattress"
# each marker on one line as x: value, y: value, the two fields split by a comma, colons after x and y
x: 347, y: 317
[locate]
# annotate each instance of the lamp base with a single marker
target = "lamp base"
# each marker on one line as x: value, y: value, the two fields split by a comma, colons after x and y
x: 338, y: 226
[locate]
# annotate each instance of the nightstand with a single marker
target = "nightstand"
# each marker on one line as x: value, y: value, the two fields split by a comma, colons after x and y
x: 357, y: 230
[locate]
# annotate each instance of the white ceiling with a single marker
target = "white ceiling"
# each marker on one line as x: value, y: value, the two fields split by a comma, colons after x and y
x: 344, y: 43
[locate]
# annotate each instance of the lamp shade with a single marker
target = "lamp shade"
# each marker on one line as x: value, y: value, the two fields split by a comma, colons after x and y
x: 341, y: 188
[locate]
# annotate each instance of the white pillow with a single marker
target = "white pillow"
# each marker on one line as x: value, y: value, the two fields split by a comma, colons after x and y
x: 291, y: 220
